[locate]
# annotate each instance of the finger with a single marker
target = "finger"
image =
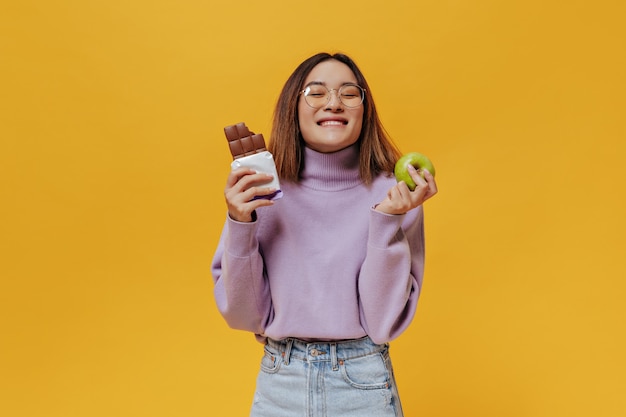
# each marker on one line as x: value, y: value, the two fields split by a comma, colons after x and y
x: 244, y: 213
x: 236, y: 174
x: 251, y: 194
x: 260, y: 192
x: 403, y: 192
x: 400, y: 197
x: 432, y: 184
x: 241, y: 205
x: 416, y: 176
x: 248, y: 180
x: 394, y: 190
x: 399, y: 192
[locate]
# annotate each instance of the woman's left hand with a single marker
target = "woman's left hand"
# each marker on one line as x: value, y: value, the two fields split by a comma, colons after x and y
x: 400, y: 199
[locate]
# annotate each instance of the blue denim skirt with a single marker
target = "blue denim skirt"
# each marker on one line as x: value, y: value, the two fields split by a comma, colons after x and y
x: 326, y: 379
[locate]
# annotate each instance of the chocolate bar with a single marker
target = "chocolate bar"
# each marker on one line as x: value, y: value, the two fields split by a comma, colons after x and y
x: 242, y: 142
x: 248, y: 150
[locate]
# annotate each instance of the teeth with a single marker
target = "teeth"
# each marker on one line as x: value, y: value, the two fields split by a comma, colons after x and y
x: 331, y: 123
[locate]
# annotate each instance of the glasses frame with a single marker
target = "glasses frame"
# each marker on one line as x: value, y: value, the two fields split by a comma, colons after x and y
x: 337, y: 92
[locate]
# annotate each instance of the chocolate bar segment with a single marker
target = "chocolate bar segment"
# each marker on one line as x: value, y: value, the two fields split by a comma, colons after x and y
x: 242, y: 142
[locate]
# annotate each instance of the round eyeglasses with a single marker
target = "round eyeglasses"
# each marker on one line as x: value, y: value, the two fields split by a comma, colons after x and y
x: 317, y: 95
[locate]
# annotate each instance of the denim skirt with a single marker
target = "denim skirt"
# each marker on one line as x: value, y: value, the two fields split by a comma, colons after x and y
x: 326, y: 379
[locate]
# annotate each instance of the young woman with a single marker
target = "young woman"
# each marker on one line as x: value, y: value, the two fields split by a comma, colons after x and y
x: 327, y: 275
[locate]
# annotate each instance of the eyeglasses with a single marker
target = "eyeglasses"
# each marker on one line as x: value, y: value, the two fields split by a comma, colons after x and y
x: 317, y: 95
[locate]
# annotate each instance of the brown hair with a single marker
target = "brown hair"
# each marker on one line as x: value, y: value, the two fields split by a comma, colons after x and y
x: 377, y: 152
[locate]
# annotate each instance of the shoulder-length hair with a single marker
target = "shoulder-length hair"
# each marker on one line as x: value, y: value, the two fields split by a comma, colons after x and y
x: 377, y: 152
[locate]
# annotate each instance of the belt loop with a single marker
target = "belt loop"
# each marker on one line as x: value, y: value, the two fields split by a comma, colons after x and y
x: 287, y: 352
x: 333, y: 356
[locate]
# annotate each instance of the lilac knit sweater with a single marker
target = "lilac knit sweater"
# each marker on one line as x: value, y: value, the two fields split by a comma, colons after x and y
x: 322, y: 264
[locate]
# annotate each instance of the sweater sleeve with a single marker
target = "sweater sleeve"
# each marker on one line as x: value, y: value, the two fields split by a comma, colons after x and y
x: 241, y: 289
x: 391, y: 275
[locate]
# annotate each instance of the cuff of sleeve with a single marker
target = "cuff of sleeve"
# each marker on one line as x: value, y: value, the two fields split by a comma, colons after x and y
x: 384, y: 228
x: 241, y: 238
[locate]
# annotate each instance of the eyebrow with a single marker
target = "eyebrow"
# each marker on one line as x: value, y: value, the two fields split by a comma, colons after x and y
x: 324, y: 84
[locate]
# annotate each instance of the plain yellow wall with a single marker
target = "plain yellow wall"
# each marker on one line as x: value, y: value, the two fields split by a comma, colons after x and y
x: 113, y: 161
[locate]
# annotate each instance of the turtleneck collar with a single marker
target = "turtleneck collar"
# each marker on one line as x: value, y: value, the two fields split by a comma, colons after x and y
x: 334, y: 171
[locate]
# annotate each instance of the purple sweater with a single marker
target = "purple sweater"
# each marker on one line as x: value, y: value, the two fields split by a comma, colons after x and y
x: 321, y: 263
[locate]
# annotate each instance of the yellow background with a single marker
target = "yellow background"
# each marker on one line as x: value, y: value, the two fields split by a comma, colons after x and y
x: 113, y: 162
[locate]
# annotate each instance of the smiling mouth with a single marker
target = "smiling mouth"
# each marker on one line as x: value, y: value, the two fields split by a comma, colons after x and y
x: 332, y: 123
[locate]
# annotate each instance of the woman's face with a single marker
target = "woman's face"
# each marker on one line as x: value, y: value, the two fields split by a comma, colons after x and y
x: 333, y: 126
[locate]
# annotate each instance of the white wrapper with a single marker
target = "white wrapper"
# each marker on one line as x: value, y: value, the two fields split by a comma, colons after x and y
x: 261, y: 162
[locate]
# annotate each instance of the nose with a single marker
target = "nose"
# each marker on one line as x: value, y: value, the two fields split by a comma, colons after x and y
x: 334, y: 102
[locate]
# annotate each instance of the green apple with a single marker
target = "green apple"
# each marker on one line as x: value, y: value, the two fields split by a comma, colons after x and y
x: 419, y: 161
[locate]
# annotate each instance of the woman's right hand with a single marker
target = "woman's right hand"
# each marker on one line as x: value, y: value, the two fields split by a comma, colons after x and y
x: 242, y: 186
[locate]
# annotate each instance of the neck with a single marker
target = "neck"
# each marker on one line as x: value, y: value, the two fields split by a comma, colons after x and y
x: 334, y: 171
